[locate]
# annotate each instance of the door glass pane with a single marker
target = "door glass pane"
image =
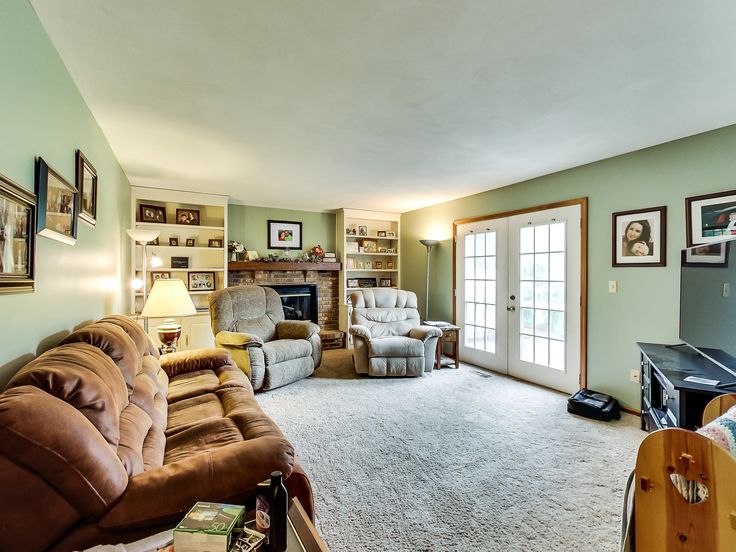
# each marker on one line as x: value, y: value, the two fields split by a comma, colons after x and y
x: 480, y: 268
x: 469, y: 290
x: 526, y: 267
x: 480, y: 291
x: 470, y: 313
x: 541, y: 266
x: 557, y: 267
x: 480, y: 314
x: 541, y: 238
x: 557, y: 354
x: 540, y: 351
x: 541, y: 295
x: 491, y: 244
x: 527, y: 348
x: 480, y: 245
x: 469, y: 336
x: 490, y: 316
x: 479, y: 337
x: 526, y: 240
x: 557, y: 236
x: 527, y: 321
x: 557, y: 324
x: 469, y: 268
x: 557, y: 295
x: 491, y: 268
x: 491, y: 292
x: 491, y: 341
x: 526, y: 292
x: 469, y: 246
x: 541, y: 322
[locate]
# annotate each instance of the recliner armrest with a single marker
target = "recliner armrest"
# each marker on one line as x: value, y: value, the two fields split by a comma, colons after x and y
x: 238, y: 340
x: 360, y: 331
x: 183, y: 362
x: 423, y: 333
x: 296, y: 329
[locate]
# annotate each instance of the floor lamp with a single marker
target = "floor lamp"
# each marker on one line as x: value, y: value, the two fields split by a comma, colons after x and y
x: 429, y: 244
x: 144, y: 237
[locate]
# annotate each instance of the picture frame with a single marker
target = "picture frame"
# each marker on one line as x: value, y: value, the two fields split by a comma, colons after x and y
x: 379, y: 265
x: 350, y: 263
x: 385, y: 282
x: 160, y: 275
x: 639, y: 237
x: 370, y: 246
x: 710, y: 218
x: 352, y: 247
x: 707, y: 255
x: 152, y: 213
x: 368, y: 265
x: 179, y: 262
x: 57, y: 205
x: 366, y: 282
x: 381, y: 234
x: 188, y: 217
x: 190, y: 242
x: 201, y: 281
x: 390, y: 234
x: 174, y: 242
x: 352, y: 282
x: 18, y: 234
x: 284, y: 234
x: 350, y: 231
x: 215, y: 242
x: 252, y: 255
x: 154, y: 242
x: 86, y: 180
x: 360, y: 265
x: 390, y: 265
x: 362, y: 230
x: 391, y: 250
x: 382, y: 250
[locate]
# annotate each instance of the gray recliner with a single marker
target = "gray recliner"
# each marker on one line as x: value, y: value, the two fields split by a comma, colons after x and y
x: 387, y: 335
x: 249, y: 322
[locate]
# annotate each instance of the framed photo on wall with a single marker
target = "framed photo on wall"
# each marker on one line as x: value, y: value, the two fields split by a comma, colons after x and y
x: 18, y: 234
x: 639, y: 237
x: 87, y: 185
x: 710, y: 218
x: 57, y: 205
x: 710, y: 255
x: 284, y: 234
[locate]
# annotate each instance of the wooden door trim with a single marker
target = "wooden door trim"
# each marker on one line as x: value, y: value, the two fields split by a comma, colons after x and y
x: 583, y: 203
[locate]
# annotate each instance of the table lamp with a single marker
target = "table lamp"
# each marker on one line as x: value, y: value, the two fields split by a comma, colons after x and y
x: 168, y: 298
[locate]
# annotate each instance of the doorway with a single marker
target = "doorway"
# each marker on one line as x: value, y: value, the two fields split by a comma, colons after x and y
x: 520, y: 293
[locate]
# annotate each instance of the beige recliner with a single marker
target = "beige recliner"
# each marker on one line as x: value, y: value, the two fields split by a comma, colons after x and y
x: 249, y: 322
x: 387, y: 335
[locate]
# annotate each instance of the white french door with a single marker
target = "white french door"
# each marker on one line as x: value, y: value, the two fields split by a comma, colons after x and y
x: 519, y: 297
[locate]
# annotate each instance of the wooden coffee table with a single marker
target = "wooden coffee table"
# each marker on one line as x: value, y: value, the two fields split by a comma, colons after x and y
x: 301, y: 534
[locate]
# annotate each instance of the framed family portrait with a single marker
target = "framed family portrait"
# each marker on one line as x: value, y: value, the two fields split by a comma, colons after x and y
x: 87, y: 186
x: 214, y: 242
x: 152, y: 213
x: 284, y: 234
x: 709, y: 255
x: 18, y: 237
x: 639, y: 237
x: 57, y: 202
x: 187, y: 216
x: 190, y: 242
x: 352, y: 282
x: 201, y: 281
x: 710, y: 218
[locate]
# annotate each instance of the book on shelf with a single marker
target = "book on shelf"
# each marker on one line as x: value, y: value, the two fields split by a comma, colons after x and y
x: 209, y: 526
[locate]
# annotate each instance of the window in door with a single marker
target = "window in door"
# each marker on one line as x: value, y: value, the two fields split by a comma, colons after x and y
x: 480, y: 291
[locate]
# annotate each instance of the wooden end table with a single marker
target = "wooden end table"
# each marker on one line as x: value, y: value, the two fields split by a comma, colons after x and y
x: 451, y: 335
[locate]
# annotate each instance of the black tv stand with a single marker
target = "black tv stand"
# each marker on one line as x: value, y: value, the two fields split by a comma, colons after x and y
x: 667, y: 400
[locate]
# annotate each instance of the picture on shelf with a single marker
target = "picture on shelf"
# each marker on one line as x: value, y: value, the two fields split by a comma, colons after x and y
x: 152, y: 213
x: 179, y: 262
x: 379, y: 265
x: 366, y: 282
x: 351, y: 263
x: 390, y: 234
x: 362, y: 230
x: 352, y: 282
x: 368, y: 265
x: 217, y: 242
x: 382, y: 250
x: 386, y: 282
x: 370, y: 246
x: 390, y: 265
x: 187, y: 216
x: 17, y: 237
x: 252, y: 255
x: 160, y: 276
x: 350, y: 231
x: 174, y: 242
x: 86, y: 178
x: 381, y: 233
x: 201, y: 281
x: 360, y: 265
x: 190, y: 242
x: 639, y: 237
x: 390, y: 250
x: 352, y: 247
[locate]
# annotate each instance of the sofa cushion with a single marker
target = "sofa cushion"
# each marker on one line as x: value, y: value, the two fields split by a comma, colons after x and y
x: 395, y: 347
x: 282, y: 350
x: 188, y: 412
x: 396, y: 366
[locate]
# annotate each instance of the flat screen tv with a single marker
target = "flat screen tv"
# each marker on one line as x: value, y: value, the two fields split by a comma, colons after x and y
x: 708, y: 302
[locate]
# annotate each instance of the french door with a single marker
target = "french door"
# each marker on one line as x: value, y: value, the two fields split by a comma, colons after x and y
x: 518, y: 295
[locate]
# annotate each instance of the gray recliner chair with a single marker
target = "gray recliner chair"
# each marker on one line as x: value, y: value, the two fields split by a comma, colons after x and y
x: 249, y: 322
x: 387, y: 335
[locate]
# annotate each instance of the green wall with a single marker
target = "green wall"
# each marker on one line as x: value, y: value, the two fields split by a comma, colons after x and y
x: 43, y: 114
x: 646, y: 308
x: 248, y: 225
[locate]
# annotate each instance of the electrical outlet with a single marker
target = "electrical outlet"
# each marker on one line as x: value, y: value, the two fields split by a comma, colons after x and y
x: 612, y: 286
x: 726, y: 289
x: 635, y: 376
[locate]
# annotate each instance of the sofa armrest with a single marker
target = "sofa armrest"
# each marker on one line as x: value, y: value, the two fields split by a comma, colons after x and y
x: 183, y: 362
x: 238, y: 340
x: 360, y: 331
x: 296, y: 329
x: 231, y: 472
x: 423, y: 333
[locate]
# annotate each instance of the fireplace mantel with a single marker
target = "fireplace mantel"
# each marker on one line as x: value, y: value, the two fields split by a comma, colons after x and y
x: 263, y: 265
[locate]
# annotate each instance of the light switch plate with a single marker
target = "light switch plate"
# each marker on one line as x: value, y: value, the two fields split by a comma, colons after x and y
x: 726, y: 289
x: 612, y: 286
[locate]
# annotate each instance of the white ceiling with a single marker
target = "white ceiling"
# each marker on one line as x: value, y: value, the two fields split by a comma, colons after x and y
x: 389, y: 104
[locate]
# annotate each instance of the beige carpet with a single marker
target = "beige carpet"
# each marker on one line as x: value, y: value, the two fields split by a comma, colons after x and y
x: 458, y: 460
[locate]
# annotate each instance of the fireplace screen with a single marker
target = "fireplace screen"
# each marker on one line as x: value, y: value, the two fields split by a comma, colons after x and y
x: 299, y: 301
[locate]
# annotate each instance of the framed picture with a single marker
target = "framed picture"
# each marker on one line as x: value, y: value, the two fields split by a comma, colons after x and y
x: 710, y: 218
x: 639, y: 237
x: 352, y: 282
x: 368, y: 265
x: 201, y: 281
x: 86, y: 179
x: 283, y: 234
x: 382, y: 250
x: 152, y: 213
x: 370, y: 246
x: 216, y: 242
x: 390, y: 234
x: 174, y: 242
x: 350, y: 231
x: 154, y: 242
x: 385, y: 282
x: 379, y: 265
x: 381, y: 233
x: 179, y: 262
x: 351, y: 263
x: 190, y: 242
x: 360, y: 265
x: 366, y: 282
x: 390, y: 250
x: 187, y: 216
x: 160, y: 276
x: 18, y: 235
x: 713, y: 255
x: 352, y: 247
x: 57, y: 203
x: 390, y: 265
x: 362, y: 230
x: 252, y: 255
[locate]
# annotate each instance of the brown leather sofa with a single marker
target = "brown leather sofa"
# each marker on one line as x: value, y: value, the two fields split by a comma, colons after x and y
x: 102, y: 441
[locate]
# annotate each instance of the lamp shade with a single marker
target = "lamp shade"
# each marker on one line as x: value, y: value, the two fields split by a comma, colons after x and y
x: 143, y: 236
x: 168, y: 298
